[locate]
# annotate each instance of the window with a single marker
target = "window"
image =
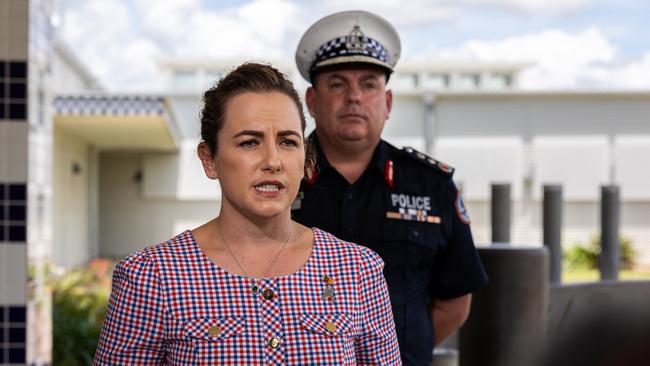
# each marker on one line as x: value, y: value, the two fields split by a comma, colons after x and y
x: 436, y: 81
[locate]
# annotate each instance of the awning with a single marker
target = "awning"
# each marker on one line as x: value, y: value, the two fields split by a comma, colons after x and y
x: 119, y: 122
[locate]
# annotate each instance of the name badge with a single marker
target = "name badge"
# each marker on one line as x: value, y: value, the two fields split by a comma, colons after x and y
x: 411, y: 208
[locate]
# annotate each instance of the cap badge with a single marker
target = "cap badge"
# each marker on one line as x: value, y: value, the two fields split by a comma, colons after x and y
x: 355, y: 40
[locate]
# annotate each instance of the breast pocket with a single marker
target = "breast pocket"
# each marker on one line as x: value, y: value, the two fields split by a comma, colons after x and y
x: 328, y: 337
x: 411, y: 248
x: 213, y: 337
x: 425, y: 236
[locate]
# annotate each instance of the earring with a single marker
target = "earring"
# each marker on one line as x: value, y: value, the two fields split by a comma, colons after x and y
x: 213, y: 176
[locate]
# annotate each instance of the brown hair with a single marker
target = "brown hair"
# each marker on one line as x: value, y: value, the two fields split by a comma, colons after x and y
x: 248, y: 77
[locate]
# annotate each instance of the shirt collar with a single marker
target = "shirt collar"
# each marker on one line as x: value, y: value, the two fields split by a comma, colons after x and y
x: 378, y: 160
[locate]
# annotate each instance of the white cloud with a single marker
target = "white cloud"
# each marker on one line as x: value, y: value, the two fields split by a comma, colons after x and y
x: 559, y: 60
x: 120, y: 41
x: 533, y: 6
x: 121, y: 47
x: 634, y: 75
x: 102, y: 34
x: 401, y: 15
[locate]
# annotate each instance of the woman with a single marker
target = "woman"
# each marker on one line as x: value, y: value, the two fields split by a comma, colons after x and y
x: 250, y: 287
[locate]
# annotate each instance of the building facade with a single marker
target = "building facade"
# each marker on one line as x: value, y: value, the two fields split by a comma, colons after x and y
x: 491, y: 131
x: 87, y: 173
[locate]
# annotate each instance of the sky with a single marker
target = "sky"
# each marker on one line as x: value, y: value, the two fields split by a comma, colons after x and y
x: 569, y: 44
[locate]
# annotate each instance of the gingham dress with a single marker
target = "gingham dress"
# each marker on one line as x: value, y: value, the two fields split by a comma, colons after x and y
x: 171, y: 305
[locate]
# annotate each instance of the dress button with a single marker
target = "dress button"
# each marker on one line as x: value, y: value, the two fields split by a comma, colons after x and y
x: 415, y: 233
x: 255, y: 289
x: 268, y: 294
x: 350, y: 196
x: 214, y: 331
x: 330, y: 327
x: 274, y: 342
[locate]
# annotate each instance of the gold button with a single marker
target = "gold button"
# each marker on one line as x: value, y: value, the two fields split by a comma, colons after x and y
x: 274, y: 342
x: 331, y: 327
x: 214, y: 331
x: 268, y: 294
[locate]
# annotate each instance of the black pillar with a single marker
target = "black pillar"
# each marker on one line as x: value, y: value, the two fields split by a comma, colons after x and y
x: 552, y: 227
x: 609, y: 234
x: 500, y: 209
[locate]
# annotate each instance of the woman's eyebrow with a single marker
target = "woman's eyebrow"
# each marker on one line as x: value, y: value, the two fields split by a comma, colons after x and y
x: 249, y: 133
x: 288, y: 133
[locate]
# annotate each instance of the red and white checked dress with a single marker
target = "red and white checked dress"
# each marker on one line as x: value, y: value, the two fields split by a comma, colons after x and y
x: 171, y: 305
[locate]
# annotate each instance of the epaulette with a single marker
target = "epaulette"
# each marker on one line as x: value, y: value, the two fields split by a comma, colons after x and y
x: 428, y: 161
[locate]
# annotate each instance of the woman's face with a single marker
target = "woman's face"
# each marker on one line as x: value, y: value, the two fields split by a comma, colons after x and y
x: 260, y: 155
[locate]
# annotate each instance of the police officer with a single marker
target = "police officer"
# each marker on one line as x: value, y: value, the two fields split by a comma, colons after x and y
x: 399, y: 202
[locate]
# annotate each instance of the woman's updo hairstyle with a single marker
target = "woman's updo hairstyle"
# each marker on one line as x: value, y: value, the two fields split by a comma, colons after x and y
x: 248, y: 77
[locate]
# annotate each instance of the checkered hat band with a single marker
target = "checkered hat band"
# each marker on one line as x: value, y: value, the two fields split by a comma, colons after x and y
x: 338, y: 47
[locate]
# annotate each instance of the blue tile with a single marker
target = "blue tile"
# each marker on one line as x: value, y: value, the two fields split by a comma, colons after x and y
x: 17, y: 212
x: 2, y: 191
x: 2, y: 232
x: 17, y: 233
x: 2, y: 89
x: 17, y: 335
x: 18, y: 111
x: 17, y: 192
x: 17, y: 314
x: 16, y: 355
x: 2, y: 211
x: 18, y: 70
x: 2, y: 335
x: 2, y: 69
x: 2, y: 314
x: 3, y: 115
x: 2, y: 355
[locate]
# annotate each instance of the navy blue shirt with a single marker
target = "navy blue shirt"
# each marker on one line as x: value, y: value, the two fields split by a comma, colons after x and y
x: 406, y: 208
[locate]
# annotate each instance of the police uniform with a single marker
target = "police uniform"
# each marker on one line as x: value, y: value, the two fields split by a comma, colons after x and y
x: 404, y: 206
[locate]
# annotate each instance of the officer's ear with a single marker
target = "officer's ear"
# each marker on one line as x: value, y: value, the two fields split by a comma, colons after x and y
x: 389, y: 102
x: 309, y: 99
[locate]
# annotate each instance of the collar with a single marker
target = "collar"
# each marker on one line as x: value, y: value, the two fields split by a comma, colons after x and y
x: 378, y: 160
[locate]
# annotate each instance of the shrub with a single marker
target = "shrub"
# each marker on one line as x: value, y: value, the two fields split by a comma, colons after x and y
x: 581, y: 256
x: 80, y: 298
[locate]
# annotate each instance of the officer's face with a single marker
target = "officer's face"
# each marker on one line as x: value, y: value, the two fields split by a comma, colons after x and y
x: 260, y: 155
x: 350, y: 106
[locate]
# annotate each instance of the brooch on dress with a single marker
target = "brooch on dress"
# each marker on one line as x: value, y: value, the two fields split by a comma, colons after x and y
x: 328, y: 292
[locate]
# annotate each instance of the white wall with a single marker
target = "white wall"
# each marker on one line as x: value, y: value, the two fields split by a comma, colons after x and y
x: 178, y: 176
x: 71, y: 205
x: 579, y: 163
x: 406, y: 118
x: 542, y: 114
x: 631, y: 161
x: 479, y: 162
x: 128, y: 221
x: 65, y: 78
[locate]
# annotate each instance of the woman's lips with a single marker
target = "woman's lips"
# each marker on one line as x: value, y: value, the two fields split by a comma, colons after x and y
x: 269, y: 188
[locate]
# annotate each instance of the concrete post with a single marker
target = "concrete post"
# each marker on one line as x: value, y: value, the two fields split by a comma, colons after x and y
x: 552, y: 228
x: 609, y: 259
x: 507, y: 322
x: 500, y: 209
